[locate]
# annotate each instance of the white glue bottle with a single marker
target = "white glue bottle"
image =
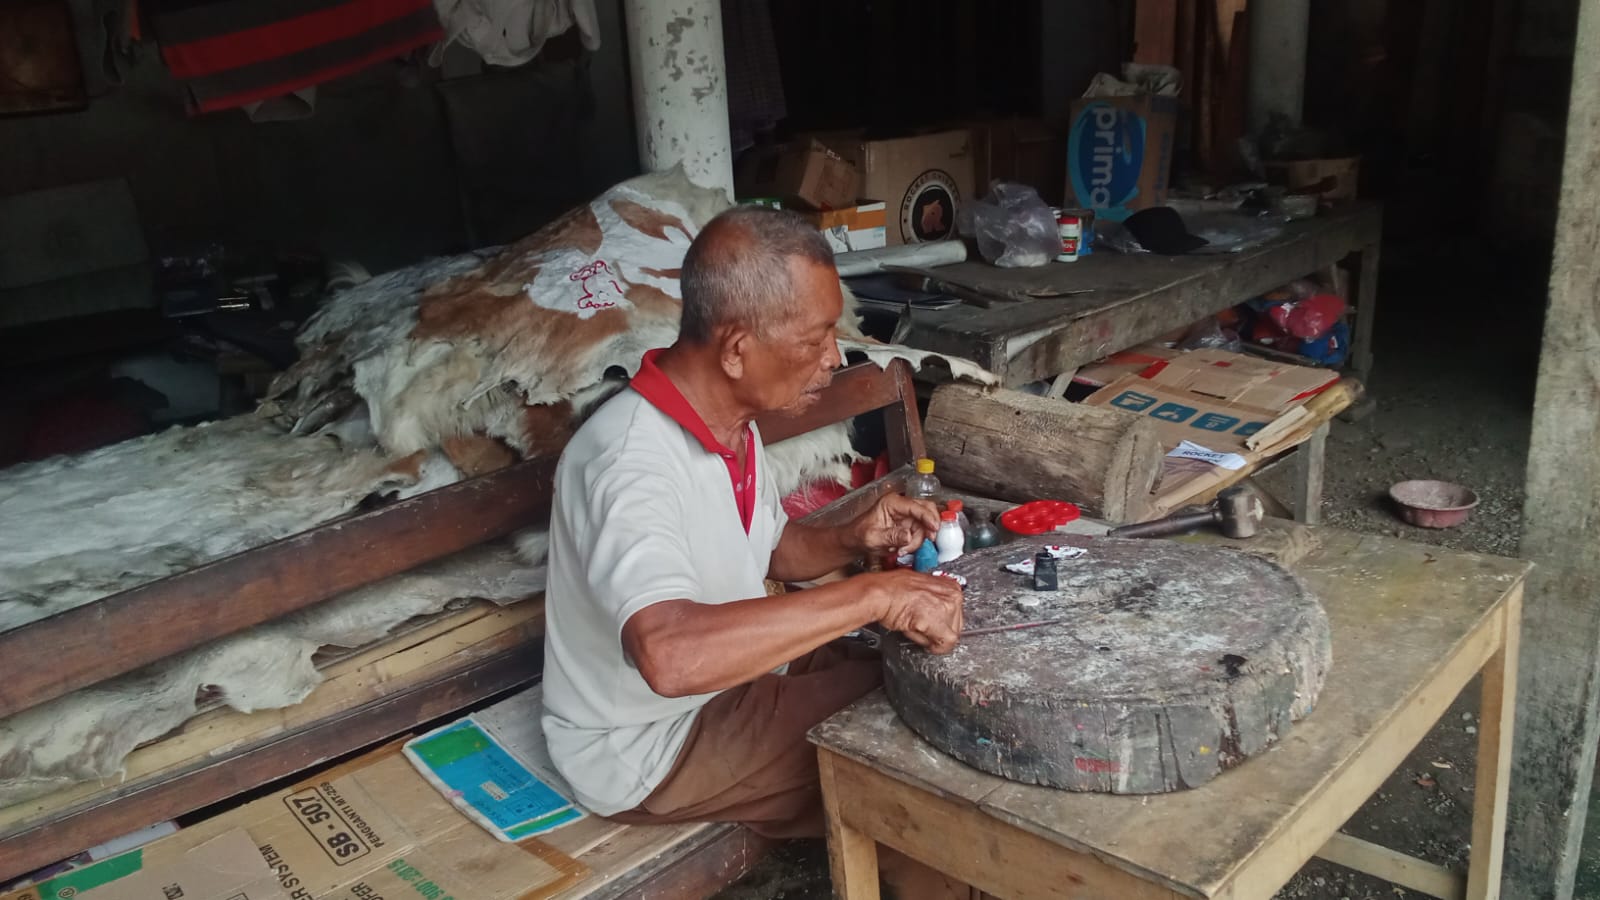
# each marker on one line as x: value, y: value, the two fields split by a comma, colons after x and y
x: 951, y: 540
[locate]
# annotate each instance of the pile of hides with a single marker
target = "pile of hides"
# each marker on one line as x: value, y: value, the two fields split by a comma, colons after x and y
x: 86, y: 735
x: 406, y: 382
x: 74, y: 529
x: 500, y: 353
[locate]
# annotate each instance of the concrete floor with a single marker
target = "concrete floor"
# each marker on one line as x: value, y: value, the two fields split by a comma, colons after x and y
x: 1458, y: 335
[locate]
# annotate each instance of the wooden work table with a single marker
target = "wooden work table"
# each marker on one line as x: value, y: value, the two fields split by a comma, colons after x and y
x: 1412, y: 625
x: 1136, y: 298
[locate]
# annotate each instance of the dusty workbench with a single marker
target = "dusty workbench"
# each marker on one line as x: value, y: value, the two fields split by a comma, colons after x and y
x: 1412, y: 625
x: 1139, y: 297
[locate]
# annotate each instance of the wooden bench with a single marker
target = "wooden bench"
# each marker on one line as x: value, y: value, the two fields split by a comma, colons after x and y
x: 1412, y: 627
x: 428, y: 670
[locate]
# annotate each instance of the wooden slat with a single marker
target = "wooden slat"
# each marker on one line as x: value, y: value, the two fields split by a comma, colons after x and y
x: 1497, y: 714
x: 857, y: 389
x: 613, y: 863
x: 71, y: 649
x: 1155, y: 32
x: 1394, y: 867
x: 901, y: 422
x: 698, y: 868
x: 942, y: 832
x: 324, y: 740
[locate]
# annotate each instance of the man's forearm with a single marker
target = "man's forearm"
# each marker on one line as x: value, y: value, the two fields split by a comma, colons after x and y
x: 807, y: 551
x: 672, y: 642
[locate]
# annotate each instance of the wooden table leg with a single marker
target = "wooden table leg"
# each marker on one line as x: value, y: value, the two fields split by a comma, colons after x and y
x: 1310, y: 460
x: 1366, y: 290
x: 852, y: 855
x: 1496, y: 714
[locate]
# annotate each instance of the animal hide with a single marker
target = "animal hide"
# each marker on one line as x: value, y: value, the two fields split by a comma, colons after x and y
x: 86, y: 735
x: 469, y: 345
x: 75, y: 529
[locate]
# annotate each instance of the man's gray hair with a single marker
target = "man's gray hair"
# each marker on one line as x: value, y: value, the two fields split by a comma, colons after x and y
x: 737, y: 270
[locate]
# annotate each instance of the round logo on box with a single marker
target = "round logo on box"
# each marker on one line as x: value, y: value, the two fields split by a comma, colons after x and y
x: 928, y: 209
x: 1106, y: 152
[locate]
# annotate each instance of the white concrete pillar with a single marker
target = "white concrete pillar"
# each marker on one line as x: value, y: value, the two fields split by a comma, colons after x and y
x: 1278, y: 36
x: 680, y: 88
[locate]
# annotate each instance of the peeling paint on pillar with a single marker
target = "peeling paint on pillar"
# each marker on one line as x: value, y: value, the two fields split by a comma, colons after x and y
x: 681, y: 119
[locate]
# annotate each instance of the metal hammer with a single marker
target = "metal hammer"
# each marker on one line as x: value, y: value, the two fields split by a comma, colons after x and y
x: 1236, y: 512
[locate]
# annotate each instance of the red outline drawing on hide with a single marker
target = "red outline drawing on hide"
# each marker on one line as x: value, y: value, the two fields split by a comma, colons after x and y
x: 589, y: 271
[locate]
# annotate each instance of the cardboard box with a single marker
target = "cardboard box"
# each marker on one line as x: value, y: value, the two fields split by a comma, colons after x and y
x: 806, y: 170
x: 1212, y: 397
x: 372, y: 828
x: 227, y: 867
x: 922, y: 179
x: 859, y: 227
x: 1132, y: 361
x: 1119, y: 153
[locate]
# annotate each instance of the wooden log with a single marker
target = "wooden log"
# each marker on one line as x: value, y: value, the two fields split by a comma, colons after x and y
x: 1016, y: 446
x: 1171, y: 664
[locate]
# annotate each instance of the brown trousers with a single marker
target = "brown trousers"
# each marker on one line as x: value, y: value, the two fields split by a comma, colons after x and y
x: 747, y: 759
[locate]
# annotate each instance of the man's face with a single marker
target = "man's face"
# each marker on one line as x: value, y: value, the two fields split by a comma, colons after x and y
x: 787, y: 369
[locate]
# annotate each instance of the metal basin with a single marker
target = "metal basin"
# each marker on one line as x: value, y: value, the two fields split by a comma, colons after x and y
x: 1433, y: 504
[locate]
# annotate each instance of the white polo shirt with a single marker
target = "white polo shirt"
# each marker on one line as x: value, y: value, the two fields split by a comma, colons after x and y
x: 644, y: 511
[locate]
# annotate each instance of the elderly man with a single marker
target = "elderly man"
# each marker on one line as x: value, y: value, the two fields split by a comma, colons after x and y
x: 675, y: 689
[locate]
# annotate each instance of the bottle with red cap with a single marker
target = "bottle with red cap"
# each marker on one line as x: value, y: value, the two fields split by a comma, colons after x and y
x: 950, y: 541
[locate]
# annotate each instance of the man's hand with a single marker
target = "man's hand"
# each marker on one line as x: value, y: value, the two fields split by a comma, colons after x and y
x: 925, y: 608
x: 896, y: 523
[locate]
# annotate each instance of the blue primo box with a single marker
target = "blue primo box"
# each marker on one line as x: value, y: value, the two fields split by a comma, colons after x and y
x: 1119, y: 153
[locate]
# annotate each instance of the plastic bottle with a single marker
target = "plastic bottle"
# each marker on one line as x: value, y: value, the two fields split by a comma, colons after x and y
x: 923, y: 485
x: 984, y: 534
x: 960, y: 509
x: 950, y: 540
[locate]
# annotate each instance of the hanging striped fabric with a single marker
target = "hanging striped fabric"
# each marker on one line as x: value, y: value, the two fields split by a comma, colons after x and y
x: 231, y: 53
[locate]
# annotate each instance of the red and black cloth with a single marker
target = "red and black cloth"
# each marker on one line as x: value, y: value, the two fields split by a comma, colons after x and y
x: 235, y: 52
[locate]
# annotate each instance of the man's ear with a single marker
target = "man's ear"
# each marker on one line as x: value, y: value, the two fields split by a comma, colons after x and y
x: 735, y: 344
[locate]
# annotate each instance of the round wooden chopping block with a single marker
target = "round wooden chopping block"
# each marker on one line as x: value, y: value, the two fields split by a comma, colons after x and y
x: 1174, y: 662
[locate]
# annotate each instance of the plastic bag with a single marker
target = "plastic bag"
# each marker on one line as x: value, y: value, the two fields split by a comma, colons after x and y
x: 1014, y: 228
x: 1307, y: 319
x: 1209, y: 334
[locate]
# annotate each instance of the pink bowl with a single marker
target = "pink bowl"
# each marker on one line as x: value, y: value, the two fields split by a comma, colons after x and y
x: 1433, y: 504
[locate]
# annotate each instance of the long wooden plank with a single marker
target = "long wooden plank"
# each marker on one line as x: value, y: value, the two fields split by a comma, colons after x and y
x: 70, y: 650
x: 326, y: 739
x: 857, y: 389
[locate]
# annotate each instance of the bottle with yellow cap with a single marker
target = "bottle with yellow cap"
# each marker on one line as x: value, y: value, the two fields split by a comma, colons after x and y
x: 923, y: 485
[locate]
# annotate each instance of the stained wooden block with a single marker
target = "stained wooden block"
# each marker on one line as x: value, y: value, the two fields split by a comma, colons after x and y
x: 1175, y: 662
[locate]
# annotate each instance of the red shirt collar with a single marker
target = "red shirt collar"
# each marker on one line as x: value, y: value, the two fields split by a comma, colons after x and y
x: 655, y: 387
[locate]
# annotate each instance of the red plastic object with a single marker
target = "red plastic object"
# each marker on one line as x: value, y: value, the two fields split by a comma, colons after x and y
x: 1038, y: 517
